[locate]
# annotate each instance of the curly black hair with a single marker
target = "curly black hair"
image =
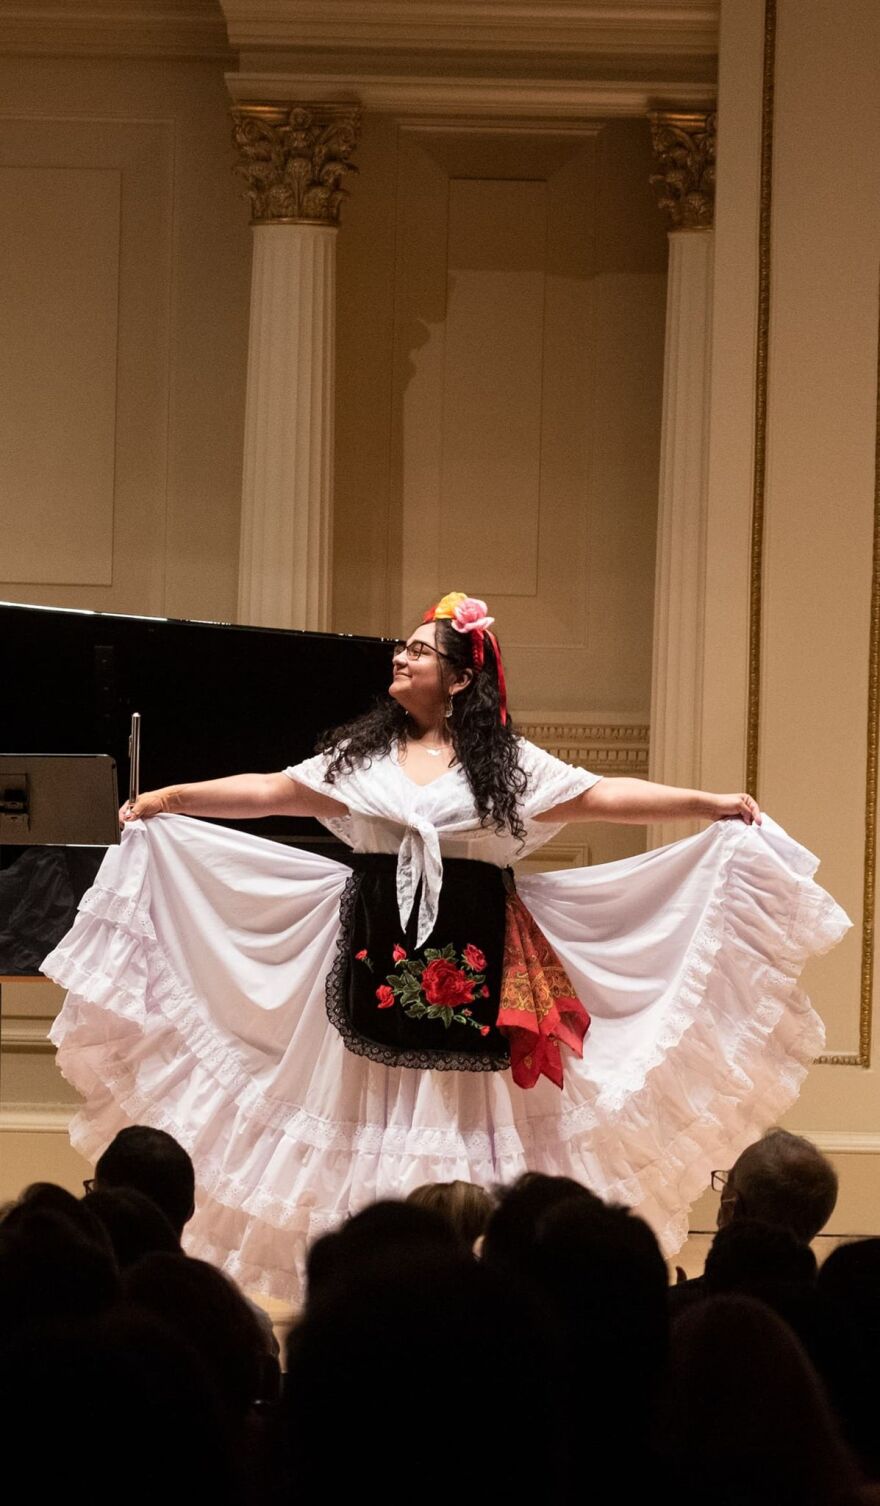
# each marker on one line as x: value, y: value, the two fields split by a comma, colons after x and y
x: 484, y: 746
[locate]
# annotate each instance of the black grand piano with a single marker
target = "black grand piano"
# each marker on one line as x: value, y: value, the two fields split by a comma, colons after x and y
x: 214, y: 699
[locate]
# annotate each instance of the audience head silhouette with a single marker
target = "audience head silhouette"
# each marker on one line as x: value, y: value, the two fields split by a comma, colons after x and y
x: 784, y: 1180
x: 848, y: 1343
x: 379, y: 1232
x: 438, y: 1357
x: 135, y: 1224
x: 512, y: 1232
x: 201, y: 1305
x: 151, y: 1162
x: 466, y: 1207
x: 743, y: 1416
x: 56, y: 1261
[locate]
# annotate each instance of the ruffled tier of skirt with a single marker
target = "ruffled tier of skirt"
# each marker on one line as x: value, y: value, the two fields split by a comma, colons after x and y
x: 289, y: 1132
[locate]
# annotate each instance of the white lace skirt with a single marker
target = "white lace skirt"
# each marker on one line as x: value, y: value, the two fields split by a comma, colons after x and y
x: 196, y: 972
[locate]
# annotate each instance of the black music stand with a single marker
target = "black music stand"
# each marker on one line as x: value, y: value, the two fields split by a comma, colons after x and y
x: 58, y: 800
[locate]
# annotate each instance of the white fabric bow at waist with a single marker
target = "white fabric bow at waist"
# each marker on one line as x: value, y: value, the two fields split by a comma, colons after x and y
x: 419, y: 860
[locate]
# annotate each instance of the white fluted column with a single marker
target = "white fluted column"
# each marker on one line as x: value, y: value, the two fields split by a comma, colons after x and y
x: 287, y: 494
x: 685, y: 145
x: 293, y: 159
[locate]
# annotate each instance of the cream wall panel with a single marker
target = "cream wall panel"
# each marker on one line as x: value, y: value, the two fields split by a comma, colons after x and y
x: 141, y: 155
x: 585, y: 843
x: 29, y: 998
x: 822, y: 412
x: 180, y: 355
x: 732, y: 396
x: 38, y: 1150
x: 554, y: 609
x: 419, y: 365
x: 31, y: 1077
x: 623, y: 490
x: 490, y: 488
x: 365, y: 530
x: 59, y: 261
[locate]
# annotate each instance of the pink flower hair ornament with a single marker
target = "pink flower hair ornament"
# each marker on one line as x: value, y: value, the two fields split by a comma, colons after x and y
x: 470, y: 615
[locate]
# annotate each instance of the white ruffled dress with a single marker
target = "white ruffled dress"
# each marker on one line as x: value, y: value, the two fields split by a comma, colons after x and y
x: 196, y: 972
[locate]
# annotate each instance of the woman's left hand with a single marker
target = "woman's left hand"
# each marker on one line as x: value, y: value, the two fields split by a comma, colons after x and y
x: 729, y: 807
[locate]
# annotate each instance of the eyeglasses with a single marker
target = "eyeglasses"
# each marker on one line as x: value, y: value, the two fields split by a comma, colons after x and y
x: 720, y: 1180
x: 414, y: 650
x: 89, y: 1185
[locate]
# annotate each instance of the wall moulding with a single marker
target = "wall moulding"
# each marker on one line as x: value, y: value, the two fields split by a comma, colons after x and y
x: 28, y: 1034
x: 417, y: 96
x: 844, y: 1142
x: 869, y: 883
x: 36, y: 1118
x: 529, y: 27
x: 140, y: 29
x: 604, y: 746
x: 762, y: 355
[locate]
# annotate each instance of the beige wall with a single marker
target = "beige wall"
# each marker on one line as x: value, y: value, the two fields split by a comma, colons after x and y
x: 500, y: 347
x: 122, y: 372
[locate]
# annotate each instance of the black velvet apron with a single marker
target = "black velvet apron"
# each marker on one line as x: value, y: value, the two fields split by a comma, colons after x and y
x: 432, y: 1007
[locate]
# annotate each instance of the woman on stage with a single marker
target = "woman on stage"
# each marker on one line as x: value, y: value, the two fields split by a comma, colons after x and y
x: 319, y: 1034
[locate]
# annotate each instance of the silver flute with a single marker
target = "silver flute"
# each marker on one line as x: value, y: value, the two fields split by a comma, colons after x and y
x: 134, y: 758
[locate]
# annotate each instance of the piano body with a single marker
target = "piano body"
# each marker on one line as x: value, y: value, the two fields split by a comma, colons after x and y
x: 214, y: 699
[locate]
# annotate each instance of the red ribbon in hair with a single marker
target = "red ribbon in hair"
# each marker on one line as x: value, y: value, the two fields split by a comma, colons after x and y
x: 502, y: 683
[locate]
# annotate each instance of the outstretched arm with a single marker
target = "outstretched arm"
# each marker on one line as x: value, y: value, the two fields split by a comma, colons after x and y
x: 635, y: 801
x: 235, y: 798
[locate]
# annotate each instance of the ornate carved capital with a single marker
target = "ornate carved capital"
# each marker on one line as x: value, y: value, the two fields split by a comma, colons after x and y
x: 684, y: 145
x: 294, y: 158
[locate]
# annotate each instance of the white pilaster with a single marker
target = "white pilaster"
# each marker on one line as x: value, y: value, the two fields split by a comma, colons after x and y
x: 676, y: 691
x: 684, y: 145
x: 287, y: 494
x: 293, y: 157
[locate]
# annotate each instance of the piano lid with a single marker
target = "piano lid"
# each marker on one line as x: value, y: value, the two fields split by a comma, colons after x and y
x: 215, y: 699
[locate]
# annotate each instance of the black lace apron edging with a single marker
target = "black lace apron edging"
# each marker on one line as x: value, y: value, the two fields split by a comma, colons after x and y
x: 336, y: 997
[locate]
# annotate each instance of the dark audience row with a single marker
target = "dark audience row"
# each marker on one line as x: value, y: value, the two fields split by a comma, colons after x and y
x: 524, y: 1341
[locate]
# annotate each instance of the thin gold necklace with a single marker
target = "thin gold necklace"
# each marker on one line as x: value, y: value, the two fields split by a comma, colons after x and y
x: 431, y: 752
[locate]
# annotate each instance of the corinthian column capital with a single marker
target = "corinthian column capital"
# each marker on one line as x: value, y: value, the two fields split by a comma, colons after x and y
x: 293, y: 158
x: 684, y: 145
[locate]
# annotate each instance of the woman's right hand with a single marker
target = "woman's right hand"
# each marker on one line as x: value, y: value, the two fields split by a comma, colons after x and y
x: 151, y: 803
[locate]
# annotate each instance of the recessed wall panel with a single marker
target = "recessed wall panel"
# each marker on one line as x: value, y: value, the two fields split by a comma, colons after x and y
x: 491, y: 454
x: 59, y: 275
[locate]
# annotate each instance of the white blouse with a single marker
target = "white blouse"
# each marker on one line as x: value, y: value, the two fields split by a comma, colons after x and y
x: 389, y: 812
